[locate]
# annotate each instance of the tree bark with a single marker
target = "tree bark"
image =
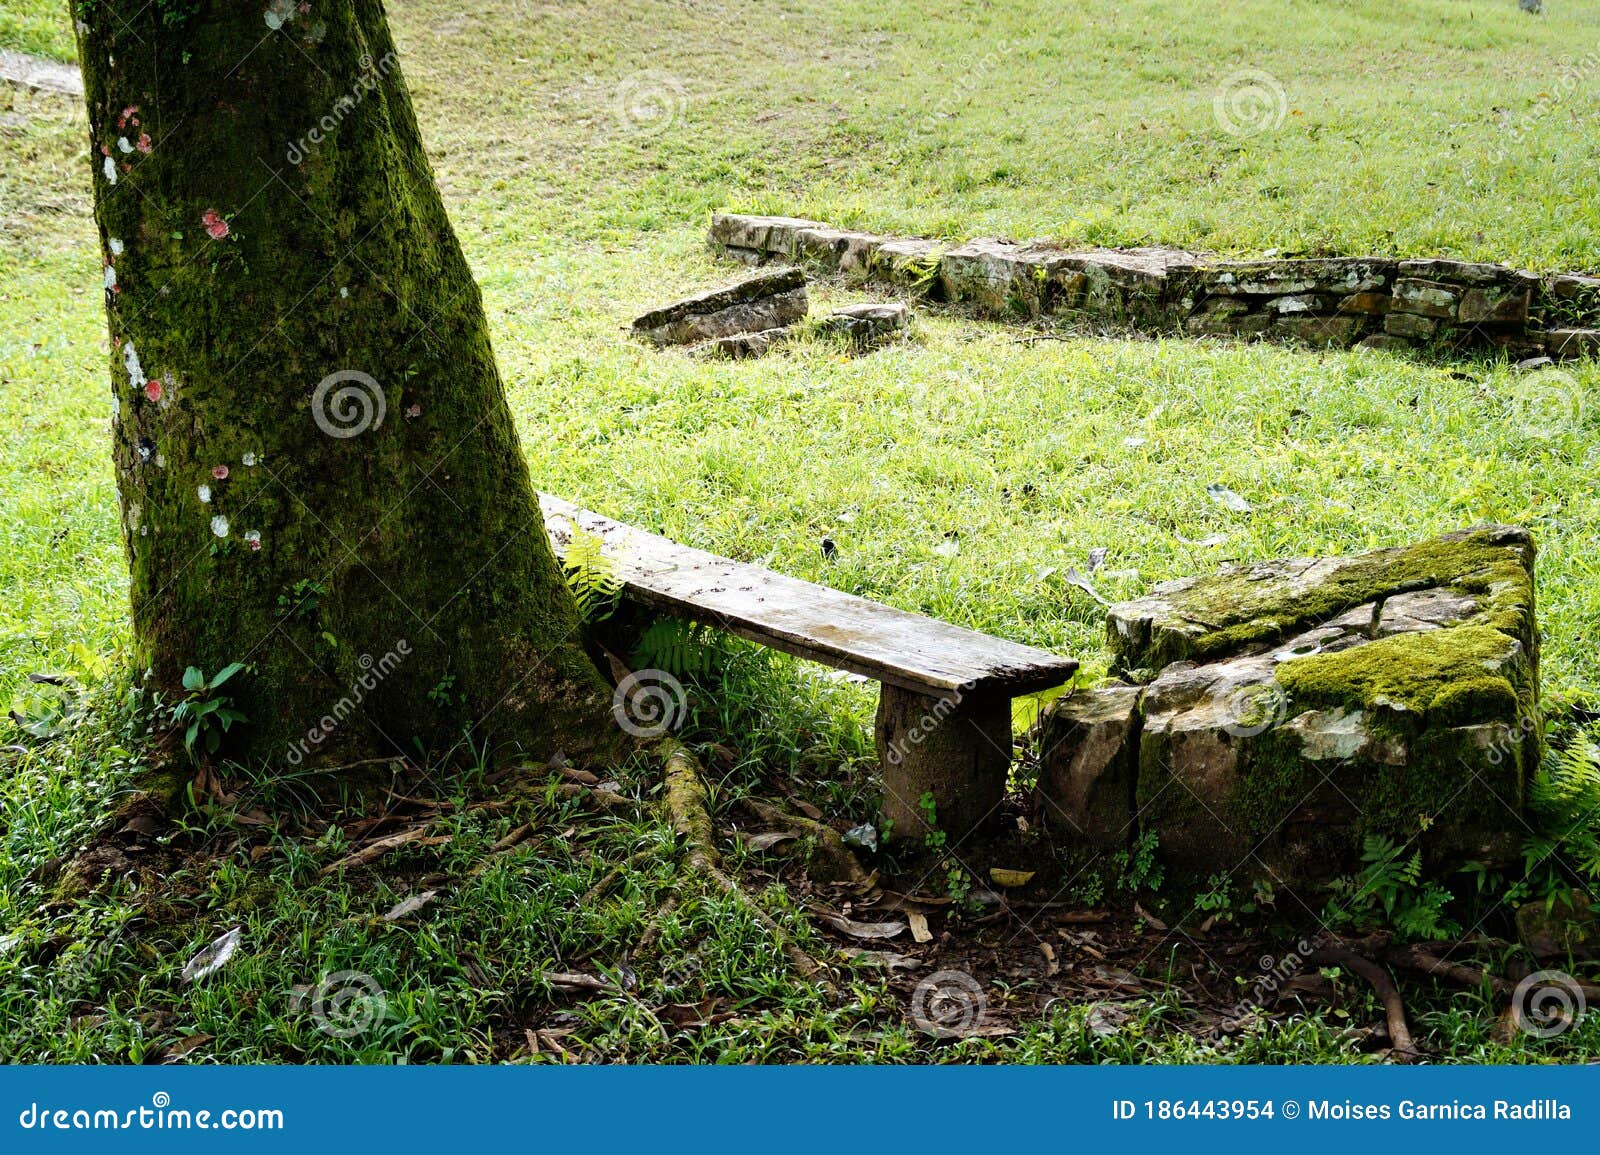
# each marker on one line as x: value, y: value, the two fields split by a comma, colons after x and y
x: 318, y: 470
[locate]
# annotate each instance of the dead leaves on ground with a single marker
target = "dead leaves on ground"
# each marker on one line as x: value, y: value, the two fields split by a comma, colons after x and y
x: 864, y: 930
x: 409, y: 905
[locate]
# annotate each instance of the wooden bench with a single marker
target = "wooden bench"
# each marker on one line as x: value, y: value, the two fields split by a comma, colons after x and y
x: 944, y: 706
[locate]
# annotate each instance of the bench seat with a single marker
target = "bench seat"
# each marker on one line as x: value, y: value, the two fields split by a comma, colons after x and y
x: 944, y: 718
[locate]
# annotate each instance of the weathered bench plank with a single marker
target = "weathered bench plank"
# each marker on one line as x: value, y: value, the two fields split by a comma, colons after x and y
x: 890, y: 645
x: 944, y: 706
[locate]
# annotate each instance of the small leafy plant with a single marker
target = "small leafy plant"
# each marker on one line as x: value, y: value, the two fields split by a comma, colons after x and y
x: 1389, y: 889
x: 300, y: 600
x: 206, y: 715
x: 935, y: 838
x: 681, y: 648
x: 1138, y: 867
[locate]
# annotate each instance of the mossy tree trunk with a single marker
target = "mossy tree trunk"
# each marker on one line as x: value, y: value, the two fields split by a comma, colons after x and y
x: 318, y: 469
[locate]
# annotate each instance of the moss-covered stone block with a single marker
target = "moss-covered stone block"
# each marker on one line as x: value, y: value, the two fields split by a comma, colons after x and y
x: 1302, y: 705
x: 1088, y: 764
x: 1250, y: 607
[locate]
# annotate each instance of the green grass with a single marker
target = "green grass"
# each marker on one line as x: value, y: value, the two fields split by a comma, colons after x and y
x: 37, y: 26
x: 1085, y: 125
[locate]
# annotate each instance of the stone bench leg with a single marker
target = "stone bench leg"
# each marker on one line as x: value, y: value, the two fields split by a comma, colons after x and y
x: 959, y: 748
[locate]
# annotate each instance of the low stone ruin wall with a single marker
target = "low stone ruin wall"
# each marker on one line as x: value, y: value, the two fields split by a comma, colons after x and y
x: 1269, y: 718
x: 1376, y: 302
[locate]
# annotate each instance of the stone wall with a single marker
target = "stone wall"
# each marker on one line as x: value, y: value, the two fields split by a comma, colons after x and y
x: 1376, y: 302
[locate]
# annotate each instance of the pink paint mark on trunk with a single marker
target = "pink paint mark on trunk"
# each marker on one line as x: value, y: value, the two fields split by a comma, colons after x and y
x: 152, y: 390
x: 220, y: 472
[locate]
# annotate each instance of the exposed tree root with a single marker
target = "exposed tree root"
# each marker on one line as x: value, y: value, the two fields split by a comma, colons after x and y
x: 606, y: 800
x: 1418, y: 958
x: 1404, y: 1049
x: 647, y: 940
x: 688, y: 810
x: 830, y: 859
x: 613, y: 876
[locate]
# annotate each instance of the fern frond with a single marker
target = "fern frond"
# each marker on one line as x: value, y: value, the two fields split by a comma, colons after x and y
x: 591, y: 576
x: 682, y: 648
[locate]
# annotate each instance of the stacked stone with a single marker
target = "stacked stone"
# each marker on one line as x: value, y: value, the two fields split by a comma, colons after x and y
x: 1372, y: 301
x: 1333, y: 301
x: 1568, y: 308
x: 1462, y: 303
x: 766, y: 301
x: 761, y: 312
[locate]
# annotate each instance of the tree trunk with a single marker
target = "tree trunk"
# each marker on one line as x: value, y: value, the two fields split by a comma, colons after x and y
x: 318, y: 470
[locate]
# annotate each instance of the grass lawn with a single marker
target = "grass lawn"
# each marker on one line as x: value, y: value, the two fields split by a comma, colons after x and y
x: 1421, y: 127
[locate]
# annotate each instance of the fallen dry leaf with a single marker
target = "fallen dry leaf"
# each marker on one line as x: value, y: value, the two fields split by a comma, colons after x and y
x: 373, y: 851
x: 919, y: 926
x: 175, y: 1051
x: 1010, y: 878
x: 1082, y: 916
x: 867, y: 930
x: 564, y: 981
x: 409, y: 905
x: 212, y: 958
x: 1153, y: 922
x: 1116, y: 976
x: 887, y: 959
x: 892, y: 900
x: 768, y: 841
